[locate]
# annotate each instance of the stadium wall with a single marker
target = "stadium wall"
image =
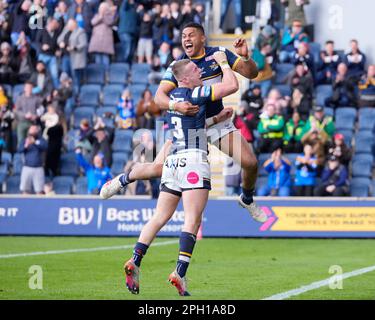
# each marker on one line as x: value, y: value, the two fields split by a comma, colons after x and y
x: 90, y: 216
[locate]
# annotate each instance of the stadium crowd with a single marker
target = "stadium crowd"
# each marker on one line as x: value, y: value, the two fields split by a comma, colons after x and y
x: 78, y: 78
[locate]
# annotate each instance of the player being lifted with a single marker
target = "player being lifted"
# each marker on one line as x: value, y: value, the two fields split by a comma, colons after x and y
x: 223, y: 134
x: 186, y: 171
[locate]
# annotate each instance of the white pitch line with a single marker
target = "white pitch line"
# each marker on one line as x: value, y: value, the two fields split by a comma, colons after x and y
x: 318, y: 284
x: 41, y: 253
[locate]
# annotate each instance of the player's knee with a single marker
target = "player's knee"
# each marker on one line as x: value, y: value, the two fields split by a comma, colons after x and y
x: 249, y: 163
x: 192, y: 224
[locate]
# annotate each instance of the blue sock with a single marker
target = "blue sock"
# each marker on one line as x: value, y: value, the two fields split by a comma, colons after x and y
x: 140, y: 250
x: 247, y: 195
x: 187, y: 242
x: 125, y: 180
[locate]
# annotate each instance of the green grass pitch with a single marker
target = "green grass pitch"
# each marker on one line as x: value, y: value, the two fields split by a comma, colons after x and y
x: 220, y: 269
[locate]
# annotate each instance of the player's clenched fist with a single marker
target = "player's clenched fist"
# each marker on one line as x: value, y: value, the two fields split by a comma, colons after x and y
x: 220, y: 57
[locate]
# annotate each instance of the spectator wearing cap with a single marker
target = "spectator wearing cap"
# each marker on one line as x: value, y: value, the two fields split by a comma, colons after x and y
x: 339, y: 149
x: 355, y: 60
x: 279, y: 182
x: 290, y: 41
x: 334, y: 180
x: 102, y: 42
x: 306, y: 171
x: 269, y: 36
x: 271, y: 129
x: 33, y: 148
x: 343, y: 89
x: 328, y: 62
x: 96, y: 172
x: 319, y: 122
x: 366, y: 86
x: 293, y: 134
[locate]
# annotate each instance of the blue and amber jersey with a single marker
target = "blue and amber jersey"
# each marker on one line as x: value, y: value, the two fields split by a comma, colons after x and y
x: 189, y: 131
x: 211, y: 73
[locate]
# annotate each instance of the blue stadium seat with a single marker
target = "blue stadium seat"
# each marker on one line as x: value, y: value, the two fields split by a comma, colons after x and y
x: 95, y: 74
x: 119, y: 56
x: 366, y: 119
x: 123, y: 140
x: 360, y: 187
x: 282, y: 70
x: 111, y: 94
x: 363, y: 157
x: 81, y: 185
x: 89, y: 97
x: 315, y: 51
x: 17, y: 163
x: 364, y: 141
x: 63, y: 184
x: 17, y: 91
x: 261, y: 181
x: 322, y: 92
x: 372, y: 188
x: 361, y: 168
x: 118, y: 73
x: 8, y: 89
x: 329, y: 111
x: 108, y: 115
x: 72, y: 137
x: 13, y: 185
x: 69, y: 165
x: 153, y: 88
x: 140, y: 72
x: 119, y: 159
x: 6, y: 157
x: 284, y: 89
x: 345, y: 118
x: 4, y: 171
x: 137, y: 91
x: 83, y: 113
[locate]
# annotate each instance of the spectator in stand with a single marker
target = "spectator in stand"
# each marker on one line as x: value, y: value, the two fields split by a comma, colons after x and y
x: 6, y: 120
x: 102, y: 42
x: 306, y: 165
x: 84, y: 142
x: 334, y: 180
x: 176, y: 16
x: 296, y: 10
x: 252, y: 102
x: 96, y: 172
x: 293, y: 134
x: 61, y: 13
x: 302, y: 56
x: 49, y: 119
x: 164, y: 24
x: 26, y: 110
x: 48, y: 189
x: 147, y: 111
x: 160, y: 63
x: 301, y: 102
x: 290, y: 41
x: 270, y: 127
x: 264, y: 68
x: 128, y: 28
x: 343, y: 88
x: 366, y: 86
x: 320, y: 122
x: 33, y: 149
x: 340, y: 150
x: 177, y: 52
x: 328, y: 63
x: 48, y: 46
x: 355, y: 60
x: 62, y: 97
x: 269, y: 36
x: 188, y: 14
x: 279, y: 181
x: 318, y: 141
x: 80, y: 11
x: 102, y: 139
x: 145, y: 45
x: 126, y: 111
x: 76, y: 46
x: 238, y: 13
x: 54, y: 133
x: 41, y: 80
x: 26, y: 56
x: 200, y: 12
x: 281, y: 103
x: 20, y: 19
x: 8, y: 65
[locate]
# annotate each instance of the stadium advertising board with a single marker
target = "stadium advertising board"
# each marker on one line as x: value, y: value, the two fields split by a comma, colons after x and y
x: 222, y: 218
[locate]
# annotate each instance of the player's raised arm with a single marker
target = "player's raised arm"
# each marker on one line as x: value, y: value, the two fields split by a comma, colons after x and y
x: 229, y: 82
x: 245, y: 66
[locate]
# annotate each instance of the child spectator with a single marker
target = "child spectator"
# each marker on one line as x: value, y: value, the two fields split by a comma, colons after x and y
x: 49, y: 119
x: 278, y: 169
x: 334, y: 180
x: 306, y: 165
x: 126, y: 111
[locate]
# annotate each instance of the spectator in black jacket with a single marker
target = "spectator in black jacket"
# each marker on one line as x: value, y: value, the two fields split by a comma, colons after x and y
x: 328, y: 62
x: 8, y: 65
x: 339, y: 149
x: 355, y: 60
x: 164, y: 24
x: 343, y: 89
x: 145, y: 45
x: 42, y: 80
x: 302, y: 56
x: 252, y: 100
x: 102, y: 138
x: 20, y: 19
x: 334, y: 180
x: 48, y: 46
